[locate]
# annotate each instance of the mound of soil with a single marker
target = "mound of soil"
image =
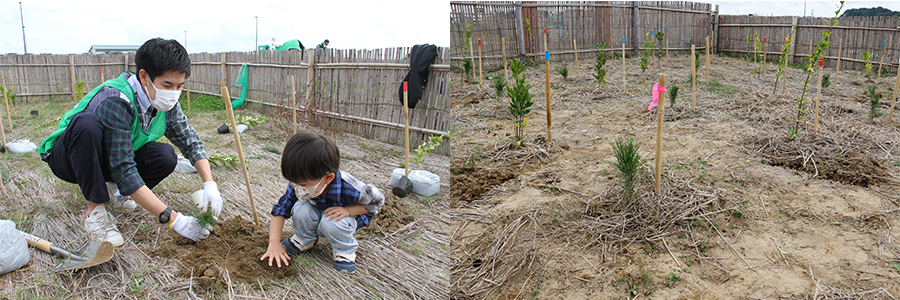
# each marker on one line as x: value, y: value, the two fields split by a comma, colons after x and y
x: 851, y: 168
x: 393, y: 215
x: 469, y: 183
x: 234, y: 244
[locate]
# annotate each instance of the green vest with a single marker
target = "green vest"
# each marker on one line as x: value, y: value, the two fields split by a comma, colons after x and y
x: 139, y: 137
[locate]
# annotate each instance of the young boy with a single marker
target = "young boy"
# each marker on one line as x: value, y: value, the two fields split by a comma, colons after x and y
x: 324, y: 201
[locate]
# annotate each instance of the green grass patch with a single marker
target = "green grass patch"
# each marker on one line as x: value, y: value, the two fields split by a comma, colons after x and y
x: 202, y: 103
x: 720, y: 88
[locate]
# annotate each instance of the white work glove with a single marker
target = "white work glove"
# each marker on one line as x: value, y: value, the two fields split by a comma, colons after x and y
x: 189, y: 227
x: 212, y: 199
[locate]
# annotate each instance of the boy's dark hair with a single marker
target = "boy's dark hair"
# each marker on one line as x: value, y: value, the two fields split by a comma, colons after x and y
x: 309, y: 156
x: 156, y: 56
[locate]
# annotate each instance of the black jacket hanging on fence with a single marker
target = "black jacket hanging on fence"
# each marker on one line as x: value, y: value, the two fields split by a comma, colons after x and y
x: 420, y: 58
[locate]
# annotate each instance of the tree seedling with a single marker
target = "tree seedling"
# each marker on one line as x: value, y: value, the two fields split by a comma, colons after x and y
x: 426, y: 148
x: 563, y: 71
x: 867, y: 59
x: 673, y: 94
x: 499, y: 85
x: 874, y: 102
x: 628, y: 162
x: 206, y: 219
x: 783, y: 60
x: 520, y: 98
x: 598, y: 65
x: 810, y: 70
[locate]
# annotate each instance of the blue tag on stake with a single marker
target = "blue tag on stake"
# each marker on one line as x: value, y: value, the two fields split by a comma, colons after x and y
x: 623, y: 40
x: 546, y: 55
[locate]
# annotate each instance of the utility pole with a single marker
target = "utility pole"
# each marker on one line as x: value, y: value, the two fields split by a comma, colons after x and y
x: 185, y: 40
x: 257, y: 33
x: 22, y: 17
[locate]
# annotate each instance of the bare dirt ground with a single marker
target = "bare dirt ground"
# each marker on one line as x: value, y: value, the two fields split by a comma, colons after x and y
x: 402, y: 254
x: 744, y: 211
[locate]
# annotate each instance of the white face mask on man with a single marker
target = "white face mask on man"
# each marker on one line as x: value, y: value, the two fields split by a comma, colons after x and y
x: 304, y: 193
x: 165, y: 99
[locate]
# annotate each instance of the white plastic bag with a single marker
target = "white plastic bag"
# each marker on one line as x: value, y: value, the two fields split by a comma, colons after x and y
x: 184, y: 166
x: 15, y: 249
x: 21, y: 146
x: 424, y: 183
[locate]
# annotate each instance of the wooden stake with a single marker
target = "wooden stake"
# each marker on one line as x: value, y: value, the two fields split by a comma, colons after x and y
x: 659, y: 128
x: 6, y: 101
x: 547, y: 83
x: 480, y: 73
x: 503, y: 46
x: 72, y: 76
x: 838, y: 69
x: 3, y: 130
x: 187, y: 86
x: 765, y: 51
x: 881, y: 63
x: 896, y: 91
x: 472, y: 56
x: 693, y: 78
x: 623, y: 67
x: 577, y: 70
x: 818, y: 95
x: 406, y: 120
x: 294, y: 103
x: 653, y: 51
x: 237, y: 141
x: 707, y: 60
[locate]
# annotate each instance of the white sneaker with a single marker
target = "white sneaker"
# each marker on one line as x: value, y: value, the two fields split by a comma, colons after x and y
x: 102, y: 227
x: 121, y: 203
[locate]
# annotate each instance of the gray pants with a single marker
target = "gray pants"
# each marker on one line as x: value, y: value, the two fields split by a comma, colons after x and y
x: 310, y: 224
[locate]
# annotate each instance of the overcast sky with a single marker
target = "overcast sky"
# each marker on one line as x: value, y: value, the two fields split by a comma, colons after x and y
x: 795, y: 8
x: 64, y: 26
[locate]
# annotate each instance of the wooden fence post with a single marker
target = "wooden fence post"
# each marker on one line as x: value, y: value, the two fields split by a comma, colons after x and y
x: 72, y: 75
x: 520, y: 31
x: 659, y: 129
x: 636, y: 30
x: 716, y: 29
x: 294, y: 103
x: 187, y: 86
x: 310, y: 82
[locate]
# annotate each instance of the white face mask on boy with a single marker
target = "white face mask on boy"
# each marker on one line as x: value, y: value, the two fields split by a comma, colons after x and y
x: 165, y: 99
x: 306, y: 193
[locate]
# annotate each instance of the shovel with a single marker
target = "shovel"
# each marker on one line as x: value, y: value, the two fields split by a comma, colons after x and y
x: 404, y: 186
x: 90, y: 254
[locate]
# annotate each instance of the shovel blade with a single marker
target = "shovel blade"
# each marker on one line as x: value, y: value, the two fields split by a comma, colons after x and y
x: 90, y: 254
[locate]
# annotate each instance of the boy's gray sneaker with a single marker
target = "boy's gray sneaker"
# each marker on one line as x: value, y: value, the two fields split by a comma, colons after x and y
x: 344, y: 264
x: 121, y: 203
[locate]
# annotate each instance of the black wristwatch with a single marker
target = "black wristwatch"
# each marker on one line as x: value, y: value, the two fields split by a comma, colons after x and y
x: 164, y: 215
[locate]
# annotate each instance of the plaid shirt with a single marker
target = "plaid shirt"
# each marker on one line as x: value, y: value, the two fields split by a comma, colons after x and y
x: 344, y: 190
x: 117, y: 114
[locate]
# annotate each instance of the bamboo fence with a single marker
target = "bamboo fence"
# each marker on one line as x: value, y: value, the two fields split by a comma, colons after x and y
x: 354, y: 91
x: 592, y: 22
x: 586, y: 22
x: 859, y: 34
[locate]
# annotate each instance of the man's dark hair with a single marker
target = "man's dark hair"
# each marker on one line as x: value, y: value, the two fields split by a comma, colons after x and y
x: 309, y: 156
x: 156, y: 56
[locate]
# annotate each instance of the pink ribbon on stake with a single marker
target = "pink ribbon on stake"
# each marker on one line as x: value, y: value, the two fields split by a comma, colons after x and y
x: 656, y: 92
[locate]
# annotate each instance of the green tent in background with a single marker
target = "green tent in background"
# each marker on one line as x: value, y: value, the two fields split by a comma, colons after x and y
x: 292, y: 44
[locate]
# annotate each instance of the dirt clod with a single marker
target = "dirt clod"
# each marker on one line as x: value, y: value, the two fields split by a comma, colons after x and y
x: 469, y: 183
x: 234, y: 245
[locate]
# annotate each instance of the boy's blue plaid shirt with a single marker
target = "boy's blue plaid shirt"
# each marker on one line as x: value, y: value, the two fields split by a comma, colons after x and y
x: 344, y: 190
